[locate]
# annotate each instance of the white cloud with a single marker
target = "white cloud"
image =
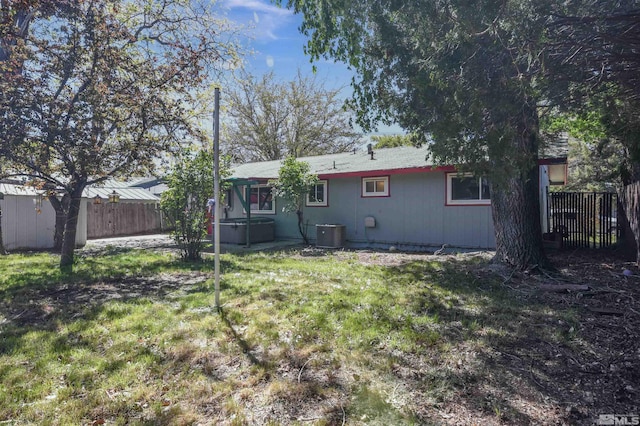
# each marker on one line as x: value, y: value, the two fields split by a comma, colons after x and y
x: 258, y: 6
x: 268, y: 28
x: 267, y: 20
x: 270, y: 61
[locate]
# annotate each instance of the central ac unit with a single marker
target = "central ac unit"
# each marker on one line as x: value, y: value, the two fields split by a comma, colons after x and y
x: 330, y: 236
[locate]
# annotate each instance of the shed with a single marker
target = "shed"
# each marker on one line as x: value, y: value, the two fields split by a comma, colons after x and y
x: 28, y: 219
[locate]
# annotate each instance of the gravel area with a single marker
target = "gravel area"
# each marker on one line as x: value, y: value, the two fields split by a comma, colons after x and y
x: 155, y: 241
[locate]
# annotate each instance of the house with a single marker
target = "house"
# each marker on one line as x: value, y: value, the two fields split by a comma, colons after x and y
x: 154, y: 185
x: 553, y: 172
x: 387, y: 197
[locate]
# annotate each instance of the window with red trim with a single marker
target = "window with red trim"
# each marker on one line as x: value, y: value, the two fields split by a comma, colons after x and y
x: 375, y: 186
x: 467, y: 190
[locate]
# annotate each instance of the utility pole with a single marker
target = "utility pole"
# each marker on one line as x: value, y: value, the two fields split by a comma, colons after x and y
x: 216, y: 195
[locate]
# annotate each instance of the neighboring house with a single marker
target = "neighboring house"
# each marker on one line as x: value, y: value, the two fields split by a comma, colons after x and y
x: 393, y: 196
x: 28, y: 219
x: 553, y: 172
x: 152, y: 184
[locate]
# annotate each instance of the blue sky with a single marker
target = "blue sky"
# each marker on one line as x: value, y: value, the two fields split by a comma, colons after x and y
x: 277, y: 46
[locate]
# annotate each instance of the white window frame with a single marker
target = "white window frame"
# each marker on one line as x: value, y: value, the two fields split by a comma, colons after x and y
x: 384, y: 193
x: 273, y: 201
x: 451, y: 202
x: 322, y: 203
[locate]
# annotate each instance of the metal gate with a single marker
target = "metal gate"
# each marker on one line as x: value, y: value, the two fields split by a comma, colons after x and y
x: 584, y: 219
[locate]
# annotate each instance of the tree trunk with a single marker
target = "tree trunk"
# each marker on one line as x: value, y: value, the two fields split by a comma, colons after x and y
x: 61, y: 207
x: 515, y: 203
x: 515, y: 207
x: 70, y: 228
x: 630, y: 200
x: 301, y: 227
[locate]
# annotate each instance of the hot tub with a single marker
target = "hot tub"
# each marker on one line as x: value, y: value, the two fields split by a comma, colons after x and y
x: 234, y: 231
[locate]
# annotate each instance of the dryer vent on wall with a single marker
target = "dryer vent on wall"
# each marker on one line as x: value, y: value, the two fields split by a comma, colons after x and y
x: 369, y: 222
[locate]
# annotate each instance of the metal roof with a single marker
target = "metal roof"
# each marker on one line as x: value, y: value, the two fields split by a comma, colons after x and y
x: 131, y: 194
x: 12, y: 189
x: 118, y: 183
x: 136, y: 182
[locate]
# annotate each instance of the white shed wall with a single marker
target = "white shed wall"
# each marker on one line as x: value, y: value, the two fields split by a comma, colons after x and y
x: 24, y: 228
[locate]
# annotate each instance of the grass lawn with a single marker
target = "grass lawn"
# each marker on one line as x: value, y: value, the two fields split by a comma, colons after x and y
x: 340, y: 338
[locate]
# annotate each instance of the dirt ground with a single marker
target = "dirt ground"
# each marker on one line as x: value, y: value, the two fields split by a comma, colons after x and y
x: 606, y: 374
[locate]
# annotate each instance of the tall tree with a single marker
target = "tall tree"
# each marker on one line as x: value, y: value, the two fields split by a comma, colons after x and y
x: 465, y: 75
x: 15, y: 19
x: 593, y: 49
x: 596, y: 161
x: 593, y: 43
x: 102, y: 91
x: 271, y: 120
x: 390, y: 141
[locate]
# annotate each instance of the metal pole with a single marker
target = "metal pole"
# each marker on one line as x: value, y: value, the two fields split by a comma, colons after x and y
x: 216, y: 194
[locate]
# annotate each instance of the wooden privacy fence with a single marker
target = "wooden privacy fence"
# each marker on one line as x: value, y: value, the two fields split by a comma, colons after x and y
x: 117, y: 219
x: 584, y: 219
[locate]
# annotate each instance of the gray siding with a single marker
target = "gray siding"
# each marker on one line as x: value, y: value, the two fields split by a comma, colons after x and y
x: 414, y: 216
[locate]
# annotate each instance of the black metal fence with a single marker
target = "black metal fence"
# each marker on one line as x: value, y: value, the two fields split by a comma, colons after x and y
x: 584, y: 219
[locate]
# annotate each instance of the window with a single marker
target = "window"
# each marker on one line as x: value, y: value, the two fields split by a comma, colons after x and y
x: 375, y: 187
x: 557, y: 174
x: 262, y: 200
x: 467, y: 190
x: 317, y: 195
